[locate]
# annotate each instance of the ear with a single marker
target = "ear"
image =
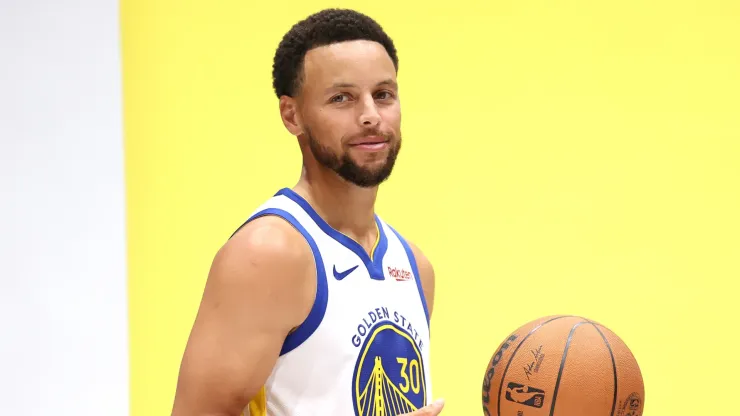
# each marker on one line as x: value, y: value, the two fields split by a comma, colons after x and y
x: 290, y: 116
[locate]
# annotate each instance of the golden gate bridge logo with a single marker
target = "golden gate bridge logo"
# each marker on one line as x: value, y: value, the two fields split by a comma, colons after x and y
x: 389, y: 375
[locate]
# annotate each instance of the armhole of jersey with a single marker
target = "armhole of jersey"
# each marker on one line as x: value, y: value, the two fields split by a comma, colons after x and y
x: 414, y: 269
x: 258, y: 405
x: 302, y: 332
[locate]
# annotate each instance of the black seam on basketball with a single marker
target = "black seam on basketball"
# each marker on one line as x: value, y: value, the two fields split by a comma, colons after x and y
x: 562, y: 366
x: 513, y: 354
x: 614, y: 365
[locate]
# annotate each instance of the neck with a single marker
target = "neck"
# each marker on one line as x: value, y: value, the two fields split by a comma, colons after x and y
x: 346, y: 207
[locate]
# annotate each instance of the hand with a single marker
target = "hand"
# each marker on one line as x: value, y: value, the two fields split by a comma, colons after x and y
x: 432, y: 410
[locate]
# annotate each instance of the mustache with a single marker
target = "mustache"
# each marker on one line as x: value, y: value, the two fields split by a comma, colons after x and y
x: 370, y: 133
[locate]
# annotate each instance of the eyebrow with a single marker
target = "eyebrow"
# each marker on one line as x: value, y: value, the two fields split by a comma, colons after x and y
x: 388, y: 82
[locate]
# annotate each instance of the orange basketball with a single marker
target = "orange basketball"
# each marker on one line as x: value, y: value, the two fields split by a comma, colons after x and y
x: 563, y: 366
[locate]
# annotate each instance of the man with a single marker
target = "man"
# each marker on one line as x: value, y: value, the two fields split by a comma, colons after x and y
x: 316, y: 306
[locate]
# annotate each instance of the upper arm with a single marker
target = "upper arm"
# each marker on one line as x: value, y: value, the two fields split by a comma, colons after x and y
x: 260, y: 286
x: 426, y: 274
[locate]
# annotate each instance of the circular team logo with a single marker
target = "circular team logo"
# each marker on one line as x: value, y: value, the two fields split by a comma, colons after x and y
x: 389, y: 374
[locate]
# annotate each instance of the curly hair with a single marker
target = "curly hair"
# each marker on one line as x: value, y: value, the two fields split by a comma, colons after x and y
x: 320, y: 29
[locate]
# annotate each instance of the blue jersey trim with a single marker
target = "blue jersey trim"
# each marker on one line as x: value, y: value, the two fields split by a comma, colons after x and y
x: 316, y: 315
x: 375, y: 265
x: 414, y: 269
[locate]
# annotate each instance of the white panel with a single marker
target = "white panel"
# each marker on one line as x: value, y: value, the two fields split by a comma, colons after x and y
x: 63, y: 314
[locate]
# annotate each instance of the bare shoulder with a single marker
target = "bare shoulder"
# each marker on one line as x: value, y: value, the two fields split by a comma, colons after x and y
x: 270, y: 255
x: 426, y: 274
x: 261, y: 285
x: 268, y: 241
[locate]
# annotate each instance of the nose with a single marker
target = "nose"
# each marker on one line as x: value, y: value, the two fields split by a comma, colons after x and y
x: 369, y: 115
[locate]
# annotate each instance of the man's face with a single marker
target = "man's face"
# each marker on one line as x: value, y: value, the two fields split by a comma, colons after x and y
x: 350, y: 111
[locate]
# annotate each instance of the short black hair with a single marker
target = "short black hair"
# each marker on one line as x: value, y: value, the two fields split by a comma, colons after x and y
x: 323, y: 28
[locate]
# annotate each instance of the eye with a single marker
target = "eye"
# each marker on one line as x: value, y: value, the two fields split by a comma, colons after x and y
x: 338, y: 98
x: 384, y: 95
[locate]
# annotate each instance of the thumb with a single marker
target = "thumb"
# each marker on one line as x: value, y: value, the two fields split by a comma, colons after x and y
x: 433, y: 409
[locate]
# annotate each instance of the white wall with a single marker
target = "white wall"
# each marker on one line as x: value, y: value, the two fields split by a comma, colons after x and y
x: 63, y: 323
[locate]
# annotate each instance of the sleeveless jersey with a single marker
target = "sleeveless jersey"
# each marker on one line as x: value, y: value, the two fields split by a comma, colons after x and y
x: 363, y: 350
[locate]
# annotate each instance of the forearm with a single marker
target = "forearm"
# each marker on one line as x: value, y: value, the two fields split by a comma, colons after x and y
x: 184, y: 409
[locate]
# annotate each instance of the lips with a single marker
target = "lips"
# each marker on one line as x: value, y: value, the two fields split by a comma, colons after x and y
x: 369, y: 140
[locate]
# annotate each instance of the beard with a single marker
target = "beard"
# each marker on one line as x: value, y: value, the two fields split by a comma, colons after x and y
x: 348, y: 169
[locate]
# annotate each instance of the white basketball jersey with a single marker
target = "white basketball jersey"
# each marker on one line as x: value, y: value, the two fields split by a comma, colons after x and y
x: 364, y: 348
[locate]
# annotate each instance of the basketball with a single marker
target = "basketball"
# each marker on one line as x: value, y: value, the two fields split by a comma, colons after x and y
x: 563, y: 366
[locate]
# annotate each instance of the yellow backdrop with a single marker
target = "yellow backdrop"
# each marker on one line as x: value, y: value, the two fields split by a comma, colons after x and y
x: 560, y: 157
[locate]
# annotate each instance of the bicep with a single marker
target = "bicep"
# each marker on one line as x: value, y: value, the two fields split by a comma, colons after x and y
x: 426, y: 274
x: 253, y: 297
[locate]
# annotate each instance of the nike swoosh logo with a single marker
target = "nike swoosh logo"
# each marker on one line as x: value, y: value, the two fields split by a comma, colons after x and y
x: 342, y: 275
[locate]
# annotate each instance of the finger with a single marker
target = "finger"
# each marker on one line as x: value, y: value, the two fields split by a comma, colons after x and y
x: 433, y: 409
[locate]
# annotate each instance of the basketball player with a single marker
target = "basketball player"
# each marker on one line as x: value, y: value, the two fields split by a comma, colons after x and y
x: 316, y: 306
